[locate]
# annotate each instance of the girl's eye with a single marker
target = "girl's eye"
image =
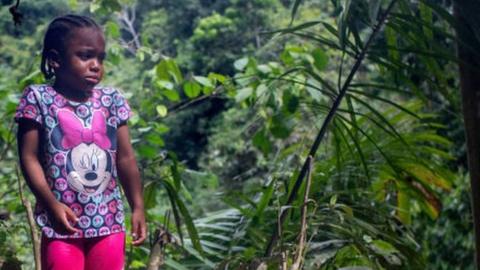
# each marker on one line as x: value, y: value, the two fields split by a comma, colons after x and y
x: 84, y: 56
x: 102, y: 57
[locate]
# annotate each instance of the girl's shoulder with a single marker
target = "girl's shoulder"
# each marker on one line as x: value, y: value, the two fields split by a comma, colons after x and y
x: 35, y: 92
x: 38, y: 88
x: 33, y: 101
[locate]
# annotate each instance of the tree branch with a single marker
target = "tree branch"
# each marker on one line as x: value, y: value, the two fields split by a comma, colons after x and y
x: 127, y: 20
x: 31, y: 222
x: 298, y: 260
x: 162, y: 238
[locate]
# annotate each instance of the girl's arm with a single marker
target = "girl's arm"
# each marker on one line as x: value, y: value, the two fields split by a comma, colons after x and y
x: 130, y: 179
x: 28, y: 144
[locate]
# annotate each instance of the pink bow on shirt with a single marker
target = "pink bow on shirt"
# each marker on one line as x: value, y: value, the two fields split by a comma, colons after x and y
x: 74, y: 133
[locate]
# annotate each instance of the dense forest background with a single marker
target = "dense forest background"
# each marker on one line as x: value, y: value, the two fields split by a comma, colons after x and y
x: 271, y: 134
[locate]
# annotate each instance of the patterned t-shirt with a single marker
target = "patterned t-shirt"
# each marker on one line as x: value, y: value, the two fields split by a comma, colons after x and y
x: 78, y: 150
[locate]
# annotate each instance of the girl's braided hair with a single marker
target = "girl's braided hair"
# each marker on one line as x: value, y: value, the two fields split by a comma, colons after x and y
x: 57, y: 33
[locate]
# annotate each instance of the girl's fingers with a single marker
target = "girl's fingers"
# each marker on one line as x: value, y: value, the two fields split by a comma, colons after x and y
x: 144, y: 230
x: 70, y: 220
x: 139, y: 232
x: 143, y: 233
x: 140, y: 236
x: 134, y: 230
x: 69, y: 227
x: 71, y: 215
x: 138, y: 241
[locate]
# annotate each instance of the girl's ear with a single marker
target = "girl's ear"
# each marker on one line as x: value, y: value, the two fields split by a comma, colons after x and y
x: 53, y: 59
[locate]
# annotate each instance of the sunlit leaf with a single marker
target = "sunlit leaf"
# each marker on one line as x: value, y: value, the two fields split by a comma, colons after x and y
x: 161, y: 110
x: 243, y: 94
x: 172, y: 95
x: 203, y: 81
x: 191, y: 89
x: 241, y: 63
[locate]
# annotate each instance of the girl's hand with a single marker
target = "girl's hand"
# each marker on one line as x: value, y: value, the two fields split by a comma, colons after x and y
x: 63, y: 218
x: 139, y: 227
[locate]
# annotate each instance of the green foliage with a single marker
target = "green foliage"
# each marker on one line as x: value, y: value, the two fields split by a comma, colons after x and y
x: 153, y: 31
x: 230, y: 31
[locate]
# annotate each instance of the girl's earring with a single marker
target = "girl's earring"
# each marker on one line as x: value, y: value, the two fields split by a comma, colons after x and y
x: 50, y: 70
x: 52, y: 67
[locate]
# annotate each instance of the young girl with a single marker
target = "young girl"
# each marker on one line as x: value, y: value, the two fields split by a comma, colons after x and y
x: 73, y: 144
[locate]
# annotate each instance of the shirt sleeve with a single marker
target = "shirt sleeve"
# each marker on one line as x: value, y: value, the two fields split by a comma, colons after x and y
x: 28, y: 107
x: 122, y: 110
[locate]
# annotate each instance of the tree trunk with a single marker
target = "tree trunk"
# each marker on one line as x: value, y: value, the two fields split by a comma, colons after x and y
x: 468, y: 46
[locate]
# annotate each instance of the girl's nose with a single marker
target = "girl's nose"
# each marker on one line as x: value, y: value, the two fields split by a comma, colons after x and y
x: 95, y: 66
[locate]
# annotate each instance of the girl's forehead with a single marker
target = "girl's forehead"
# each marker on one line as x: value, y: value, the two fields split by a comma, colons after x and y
x: 85, y: 33
x: 86, y: 36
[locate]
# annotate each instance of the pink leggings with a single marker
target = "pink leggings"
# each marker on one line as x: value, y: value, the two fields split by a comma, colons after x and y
x: 105, y: 252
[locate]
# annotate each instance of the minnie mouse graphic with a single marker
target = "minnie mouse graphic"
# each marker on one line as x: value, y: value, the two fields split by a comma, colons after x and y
x: 88, y: 164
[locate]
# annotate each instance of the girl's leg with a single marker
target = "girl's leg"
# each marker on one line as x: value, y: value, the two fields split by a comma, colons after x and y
x: 106, y: 252
x: 60, y: 254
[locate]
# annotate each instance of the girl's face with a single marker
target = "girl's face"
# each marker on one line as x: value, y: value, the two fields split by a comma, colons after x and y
x: 80, y: 67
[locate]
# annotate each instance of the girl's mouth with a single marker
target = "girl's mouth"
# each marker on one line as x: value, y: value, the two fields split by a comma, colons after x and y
x: 92, y: 79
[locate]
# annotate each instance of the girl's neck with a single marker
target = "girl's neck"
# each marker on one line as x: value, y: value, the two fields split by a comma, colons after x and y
x: 71, y: 93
